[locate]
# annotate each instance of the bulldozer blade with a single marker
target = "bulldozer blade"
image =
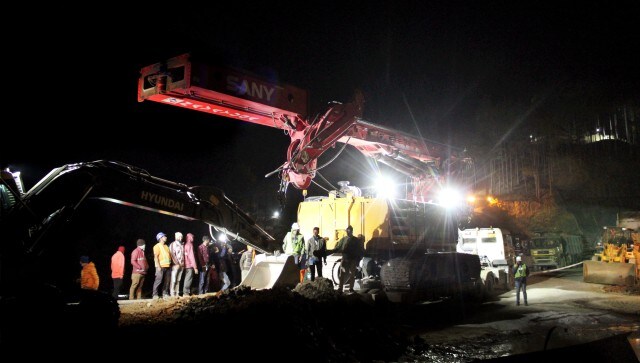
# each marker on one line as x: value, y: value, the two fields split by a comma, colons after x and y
x: 272, y: 271
x: 609, y: 273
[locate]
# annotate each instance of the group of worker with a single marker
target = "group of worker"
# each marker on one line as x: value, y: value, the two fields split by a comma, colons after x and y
x: 216, y: 263
x: 312, y: 254
x: 177, y: 265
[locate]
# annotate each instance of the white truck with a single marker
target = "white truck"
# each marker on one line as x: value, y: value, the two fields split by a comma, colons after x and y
x: 494, y: 247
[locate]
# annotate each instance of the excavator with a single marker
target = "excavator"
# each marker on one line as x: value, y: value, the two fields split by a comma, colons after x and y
x: 409, y: 242
x: 35, y: 234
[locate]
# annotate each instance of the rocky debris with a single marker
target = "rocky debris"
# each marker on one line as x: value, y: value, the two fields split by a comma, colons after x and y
x: 627, y: 290
x: 312, y: 322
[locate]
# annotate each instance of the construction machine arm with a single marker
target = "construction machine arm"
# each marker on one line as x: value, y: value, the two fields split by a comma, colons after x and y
x: 64, y: 189
x: 187, y: 83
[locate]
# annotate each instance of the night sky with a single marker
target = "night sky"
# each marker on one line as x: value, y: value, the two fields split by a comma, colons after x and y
x: 424, y: 68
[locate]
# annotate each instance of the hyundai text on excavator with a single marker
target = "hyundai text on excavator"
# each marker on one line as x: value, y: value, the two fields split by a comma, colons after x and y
x: 35, y: 234
x: 409, y: 242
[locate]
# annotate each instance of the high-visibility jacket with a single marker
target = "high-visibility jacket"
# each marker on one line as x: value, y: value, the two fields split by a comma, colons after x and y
x: 521, y: 271
x: 162, y: 255
x: 89, y: 277
x: 293, y: 245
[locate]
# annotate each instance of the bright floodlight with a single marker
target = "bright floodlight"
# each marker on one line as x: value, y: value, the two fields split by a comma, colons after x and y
x: 450, y: 198
x: 222, y: 237
x: 276, y: 214
x: 385, y: 188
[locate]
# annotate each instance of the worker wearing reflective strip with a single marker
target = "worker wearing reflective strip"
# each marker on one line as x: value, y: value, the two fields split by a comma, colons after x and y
x: 521, y: 280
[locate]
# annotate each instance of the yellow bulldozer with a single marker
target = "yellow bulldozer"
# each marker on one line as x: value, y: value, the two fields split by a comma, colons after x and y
x: 616, y: 259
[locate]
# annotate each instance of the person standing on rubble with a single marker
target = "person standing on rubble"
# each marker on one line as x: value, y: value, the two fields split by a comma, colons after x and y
x: 162, y: 262
x: 139, y: 270
x: 352, y: 250
x: 89, y: 279
x: 234, y: 266
x: 117, y: 271
x: 204, y: 261
x: 293, y: 244
x: 224, y: 264
x: 177, y: 258
x: 246, y: 261
x: 316, y: 250
x: 190, y: 265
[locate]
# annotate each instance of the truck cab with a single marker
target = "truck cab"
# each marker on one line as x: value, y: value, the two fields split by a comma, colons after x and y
x: 555, y: 250
x: 494, y: 247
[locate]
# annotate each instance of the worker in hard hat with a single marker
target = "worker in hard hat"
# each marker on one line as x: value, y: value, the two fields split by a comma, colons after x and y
x: 522, y: 271
x: 293, y: 244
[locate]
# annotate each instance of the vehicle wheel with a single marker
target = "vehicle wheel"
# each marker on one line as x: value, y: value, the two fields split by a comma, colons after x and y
x: 336, y: 272
x: 477, y: 294
x: 398, y: 273
x: 488, y: 284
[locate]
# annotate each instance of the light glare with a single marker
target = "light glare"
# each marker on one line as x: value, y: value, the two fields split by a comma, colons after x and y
x: 385, y: 188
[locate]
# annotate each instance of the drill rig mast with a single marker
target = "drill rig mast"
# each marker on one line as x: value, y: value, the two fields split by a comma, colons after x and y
x: 185, y: 82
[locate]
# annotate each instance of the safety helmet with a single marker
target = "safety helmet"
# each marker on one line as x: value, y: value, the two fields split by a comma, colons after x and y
x: 295, y: 226
x: 518, y: 259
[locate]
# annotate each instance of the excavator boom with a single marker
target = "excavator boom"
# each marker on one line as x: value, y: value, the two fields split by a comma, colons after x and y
x: 68, y: 186
x: 55, y: 199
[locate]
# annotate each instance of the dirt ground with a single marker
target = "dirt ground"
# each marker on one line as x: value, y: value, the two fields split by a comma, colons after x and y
x: 316, y: 322
x: 565, y: 318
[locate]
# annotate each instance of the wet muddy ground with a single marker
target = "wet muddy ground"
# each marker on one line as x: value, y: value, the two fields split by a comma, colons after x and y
x: 317, y: 323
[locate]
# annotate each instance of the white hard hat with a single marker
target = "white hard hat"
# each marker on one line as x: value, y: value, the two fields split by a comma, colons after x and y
x: 295, y: 226
x: 518, y: 258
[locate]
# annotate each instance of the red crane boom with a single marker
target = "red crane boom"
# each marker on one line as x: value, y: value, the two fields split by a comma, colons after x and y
x: 185, y: 82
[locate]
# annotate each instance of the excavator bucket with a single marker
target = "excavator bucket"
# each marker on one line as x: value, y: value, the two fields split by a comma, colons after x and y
x: 272, y: 271
x: 609, y: 273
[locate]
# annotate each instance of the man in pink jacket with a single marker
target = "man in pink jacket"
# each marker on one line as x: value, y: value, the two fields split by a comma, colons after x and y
x: 190, y: 265
x: 117, y: 270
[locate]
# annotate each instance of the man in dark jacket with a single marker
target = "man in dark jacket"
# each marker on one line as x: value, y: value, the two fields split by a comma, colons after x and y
x: 352, y: 249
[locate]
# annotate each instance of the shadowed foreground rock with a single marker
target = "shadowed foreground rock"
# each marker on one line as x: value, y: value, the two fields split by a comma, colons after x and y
x: 310, y: 323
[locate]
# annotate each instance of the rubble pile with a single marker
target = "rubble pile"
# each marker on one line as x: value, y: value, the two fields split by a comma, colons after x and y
x: 313, y: 322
